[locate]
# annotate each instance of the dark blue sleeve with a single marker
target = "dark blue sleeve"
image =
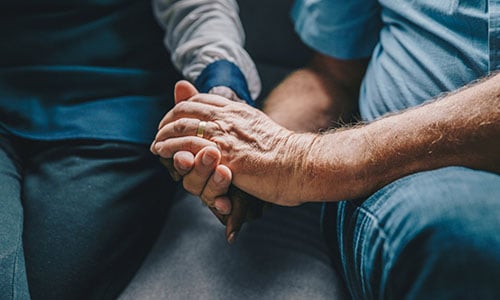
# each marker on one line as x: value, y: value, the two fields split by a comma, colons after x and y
x: 224, y: 73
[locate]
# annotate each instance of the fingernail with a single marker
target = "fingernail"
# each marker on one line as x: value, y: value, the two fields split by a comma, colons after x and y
x: 232, y: 237
x: 183, y: 168
x: 208, y: 159
x: 220, y: 208
x: 218, y: 178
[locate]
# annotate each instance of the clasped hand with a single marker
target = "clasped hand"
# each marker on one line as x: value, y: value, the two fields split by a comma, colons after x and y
x: 240, y: 144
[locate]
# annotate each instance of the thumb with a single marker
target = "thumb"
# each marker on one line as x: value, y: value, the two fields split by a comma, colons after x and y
x: 184, y: 90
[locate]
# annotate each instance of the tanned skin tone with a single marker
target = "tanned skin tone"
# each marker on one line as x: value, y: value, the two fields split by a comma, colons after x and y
x: 232, y: 210
x: 276, y: 157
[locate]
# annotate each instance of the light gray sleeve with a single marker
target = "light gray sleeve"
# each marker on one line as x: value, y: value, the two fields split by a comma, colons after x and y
x: 199, y: 32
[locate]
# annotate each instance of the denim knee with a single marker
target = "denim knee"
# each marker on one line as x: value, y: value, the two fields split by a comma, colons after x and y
x: 429, y: 235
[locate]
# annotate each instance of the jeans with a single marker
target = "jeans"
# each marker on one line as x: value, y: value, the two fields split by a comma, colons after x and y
x: 77, y: 218
x: 430, y: 235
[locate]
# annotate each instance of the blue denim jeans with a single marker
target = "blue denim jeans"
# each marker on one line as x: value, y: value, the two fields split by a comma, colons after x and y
x: 76, y: 217
x: 430, y: 235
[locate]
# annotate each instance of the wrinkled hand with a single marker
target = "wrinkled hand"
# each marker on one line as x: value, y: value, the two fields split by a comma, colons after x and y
x: 253, y: 146
x: 244, y: 207
x: 202, y: 176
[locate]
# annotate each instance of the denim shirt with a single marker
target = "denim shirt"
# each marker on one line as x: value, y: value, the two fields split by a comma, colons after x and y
x: 418, y: 48
x: 99, y: 69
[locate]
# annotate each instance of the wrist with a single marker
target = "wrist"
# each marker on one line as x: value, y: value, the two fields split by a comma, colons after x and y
x: 336, y: 166
x: 224, y: 73
x: 225, y: 92
x: 294, y: 169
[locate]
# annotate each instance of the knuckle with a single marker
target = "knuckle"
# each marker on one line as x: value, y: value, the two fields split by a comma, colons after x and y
x: 214, y: 129
x: 219, y: 188
x: 179, y: 109
x: 223, y: 127
x: 190, y: 187
x: 206, y: 199
x: 180, y: 126
x: 202, y: 172
x: 181, y: 106
x: 213, y: 114
x: 162, y: 150
x: 190, y: 145
x: 210, y: 192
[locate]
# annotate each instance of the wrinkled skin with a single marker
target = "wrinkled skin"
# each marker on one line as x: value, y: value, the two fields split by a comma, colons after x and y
x: 252, y: 146
x: 229, y: 204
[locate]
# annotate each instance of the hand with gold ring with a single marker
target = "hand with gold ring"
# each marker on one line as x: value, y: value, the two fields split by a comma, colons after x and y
x: 200, y: 131
x: 201, y: 175
x: 253, y: 147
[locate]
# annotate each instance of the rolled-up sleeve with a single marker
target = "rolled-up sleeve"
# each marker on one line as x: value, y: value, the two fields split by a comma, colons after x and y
x: 199, y: 33
x: 342, y: 29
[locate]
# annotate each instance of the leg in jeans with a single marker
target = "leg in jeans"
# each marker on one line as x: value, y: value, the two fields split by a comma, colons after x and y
x: 431, y: 235
x: 92, y: 212
x: 13, y: 281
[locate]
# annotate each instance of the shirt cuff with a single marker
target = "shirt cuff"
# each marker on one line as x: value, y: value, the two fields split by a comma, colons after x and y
x: 224, y: 73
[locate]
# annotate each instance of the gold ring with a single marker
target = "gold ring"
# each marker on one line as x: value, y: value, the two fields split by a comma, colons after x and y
x: 201, y: 129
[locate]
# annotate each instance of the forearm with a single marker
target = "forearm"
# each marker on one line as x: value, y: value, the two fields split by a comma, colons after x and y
x: 319, y: 96
x: 200, y: 32
x: 461, y: 129
x: 290, y: 103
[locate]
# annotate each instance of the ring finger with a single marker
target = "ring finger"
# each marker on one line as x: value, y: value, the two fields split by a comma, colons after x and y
x: 186, y: 127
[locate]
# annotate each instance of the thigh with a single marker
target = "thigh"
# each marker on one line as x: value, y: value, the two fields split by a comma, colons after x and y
x: 92, y: 211
x: 429, y: 235
x: 13, y: 282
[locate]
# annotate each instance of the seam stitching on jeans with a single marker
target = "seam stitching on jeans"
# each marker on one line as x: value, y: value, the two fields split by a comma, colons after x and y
x: 361, y: 269
x: 16, y: 257
x: 383, y: 235
x: 340, y: 241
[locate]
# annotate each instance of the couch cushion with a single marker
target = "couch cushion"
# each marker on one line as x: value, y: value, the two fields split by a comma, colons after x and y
x: 280, y: 256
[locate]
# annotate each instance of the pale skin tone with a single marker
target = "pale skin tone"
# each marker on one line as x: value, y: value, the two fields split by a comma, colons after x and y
x: 275, y: 158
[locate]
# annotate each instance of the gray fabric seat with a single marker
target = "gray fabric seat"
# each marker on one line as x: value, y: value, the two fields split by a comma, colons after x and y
x: 280, y: 256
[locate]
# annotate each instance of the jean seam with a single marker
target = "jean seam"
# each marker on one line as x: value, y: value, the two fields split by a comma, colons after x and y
x: 16, y: 258
x: 385, y: 243
x: 340, y: 242
x: 361, y: 269
x: 371, y: 215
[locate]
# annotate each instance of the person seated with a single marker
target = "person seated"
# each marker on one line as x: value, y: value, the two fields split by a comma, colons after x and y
x: 83, y: 85
x: 413, y: 189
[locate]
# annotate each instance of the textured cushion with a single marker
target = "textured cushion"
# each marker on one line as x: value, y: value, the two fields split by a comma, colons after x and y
x: 280, y: 256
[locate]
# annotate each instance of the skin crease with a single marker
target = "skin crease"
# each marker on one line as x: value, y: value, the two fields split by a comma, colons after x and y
x: 231, y: 208
x: 292, y: 167
x: 324, y: 94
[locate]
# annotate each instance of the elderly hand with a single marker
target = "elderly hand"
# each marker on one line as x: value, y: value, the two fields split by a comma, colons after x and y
x: 257, y: 150
x: 202, y: 176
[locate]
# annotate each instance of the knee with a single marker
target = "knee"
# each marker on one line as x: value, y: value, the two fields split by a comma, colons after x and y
x: 444, y: 242
x: 445, y: 260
